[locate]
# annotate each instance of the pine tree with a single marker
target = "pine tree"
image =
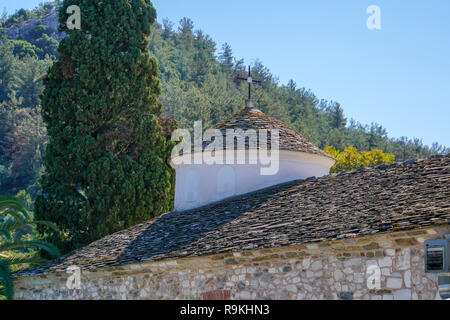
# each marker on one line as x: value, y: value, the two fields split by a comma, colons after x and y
x: 107, y: 157
x: 226, y: 57
x: 7, y: 64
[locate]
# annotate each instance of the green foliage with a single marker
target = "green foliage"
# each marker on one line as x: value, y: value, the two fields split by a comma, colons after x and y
x: 22, y: 133
x: 22, y: 48
x: 28, y: 81
x: 21, y: 148
x: 107, y: 157
x: 15, y: 251
x: 226, y: 57
x: 351, y: 159
x: 47, y: 47
x: 7, y: 61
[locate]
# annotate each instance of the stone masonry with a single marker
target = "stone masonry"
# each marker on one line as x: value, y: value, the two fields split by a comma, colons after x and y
x: 339, y: 269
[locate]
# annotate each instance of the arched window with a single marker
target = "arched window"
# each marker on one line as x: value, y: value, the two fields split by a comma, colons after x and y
x: 226, y: 182
x: 191, y: 190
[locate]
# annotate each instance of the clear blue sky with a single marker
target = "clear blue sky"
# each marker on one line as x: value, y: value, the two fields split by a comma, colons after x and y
x: 398, y: 76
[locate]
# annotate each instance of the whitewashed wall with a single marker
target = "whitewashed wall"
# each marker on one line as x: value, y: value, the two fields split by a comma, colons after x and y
x: 198, y: 185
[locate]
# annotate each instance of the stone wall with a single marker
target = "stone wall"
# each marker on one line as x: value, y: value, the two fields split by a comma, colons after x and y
x: 326, y: 270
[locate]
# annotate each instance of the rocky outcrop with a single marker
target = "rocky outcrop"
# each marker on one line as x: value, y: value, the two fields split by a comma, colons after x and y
x: 23, y: 31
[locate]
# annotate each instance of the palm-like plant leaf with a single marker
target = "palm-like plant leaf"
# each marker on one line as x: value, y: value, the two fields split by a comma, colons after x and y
x: 24, y: 259
x: 5, y: 233
x: 51, y: 249
x: 14, y: 207
x: 6, y: 279
x: 11, y: 225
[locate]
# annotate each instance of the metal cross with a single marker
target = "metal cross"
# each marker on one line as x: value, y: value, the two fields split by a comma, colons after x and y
x: 250, y: 80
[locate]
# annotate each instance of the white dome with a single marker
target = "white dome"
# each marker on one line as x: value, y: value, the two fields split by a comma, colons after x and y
x: 201, y: 184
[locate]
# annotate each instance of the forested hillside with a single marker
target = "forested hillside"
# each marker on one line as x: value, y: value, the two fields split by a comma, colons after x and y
x: 198, y: 81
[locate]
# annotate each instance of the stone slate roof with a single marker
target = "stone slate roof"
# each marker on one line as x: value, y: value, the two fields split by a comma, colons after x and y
x: 402, y: 196
x: 251, y: 118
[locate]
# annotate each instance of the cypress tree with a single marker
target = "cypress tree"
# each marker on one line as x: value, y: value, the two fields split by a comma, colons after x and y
x: 107, y: 157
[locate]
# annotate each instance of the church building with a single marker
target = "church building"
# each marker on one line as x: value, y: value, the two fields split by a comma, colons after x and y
x: 300, y: 233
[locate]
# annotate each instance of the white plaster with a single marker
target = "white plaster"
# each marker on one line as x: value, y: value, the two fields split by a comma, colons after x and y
x: 248, y: 178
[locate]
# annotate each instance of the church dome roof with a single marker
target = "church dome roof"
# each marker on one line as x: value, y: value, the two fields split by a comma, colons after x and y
x: 252, y: 118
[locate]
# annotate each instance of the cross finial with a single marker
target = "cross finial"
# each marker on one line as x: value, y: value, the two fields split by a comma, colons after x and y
x: 250, y: 80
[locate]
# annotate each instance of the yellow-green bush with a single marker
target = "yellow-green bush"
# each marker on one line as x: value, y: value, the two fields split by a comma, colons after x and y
x: 351, y: 159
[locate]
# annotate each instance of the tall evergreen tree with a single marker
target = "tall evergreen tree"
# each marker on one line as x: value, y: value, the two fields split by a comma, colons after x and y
x: 226, y: 57
x: 107, y: 157
x: 7, y: 64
